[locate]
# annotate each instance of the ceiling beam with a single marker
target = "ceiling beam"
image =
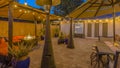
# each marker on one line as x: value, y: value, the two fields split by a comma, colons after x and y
x: 20, y: 15
x: 4, y: 6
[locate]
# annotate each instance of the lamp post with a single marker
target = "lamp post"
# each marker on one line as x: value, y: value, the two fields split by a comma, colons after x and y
x: 48, y: 56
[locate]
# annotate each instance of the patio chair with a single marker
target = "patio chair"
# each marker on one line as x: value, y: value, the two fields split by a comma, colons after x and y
x: 97, y: 58
x: 5, y: 61
x: 117, y: 60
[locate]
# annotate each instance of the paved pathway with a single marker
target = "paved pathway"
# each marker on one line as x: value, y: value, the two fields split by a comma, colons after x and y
x: 67, y: 58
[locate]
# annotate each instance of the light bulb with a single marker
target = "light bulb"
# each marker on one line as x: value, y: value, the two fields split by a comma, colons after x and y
x: 25, y: 3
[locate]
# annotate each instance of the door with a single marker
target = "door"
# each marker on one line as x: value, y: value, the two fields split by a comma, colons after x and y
x: 105, y: 29
x: 96, y: 30
x: 89, y: 30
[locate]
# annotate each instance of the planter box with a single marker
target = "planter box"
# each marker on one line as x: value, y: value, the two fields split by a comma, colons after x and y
x: 42, y: 37
x: 63, y: 41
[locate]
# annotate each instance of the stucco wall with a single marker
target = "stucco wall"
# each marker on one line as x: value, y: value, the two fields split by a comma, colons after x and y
x: 65, y: 28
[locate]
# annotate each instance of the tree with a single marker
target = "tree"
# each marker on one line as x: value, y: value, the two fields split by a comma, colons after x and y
x: 66, y: 7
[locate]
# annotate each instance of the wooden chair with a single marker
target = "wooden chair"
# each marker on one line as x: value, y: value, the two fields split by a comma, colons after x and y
x: 117, y: 60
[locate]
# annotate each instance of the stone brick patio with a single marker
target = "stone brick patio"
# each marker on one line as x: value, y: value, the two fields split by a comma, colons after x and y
x: 67, y: 58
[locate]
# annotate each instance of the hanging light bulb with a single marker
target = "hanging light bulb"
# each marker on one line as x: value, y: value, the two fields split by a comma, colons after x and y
x: 100, y: 21
x: 28, y: 11
x: 39, y: 17
x: 25, y: 3
x: 25, y: 11
x: 33, y: 13
x: 106, y: 20
x: 15, y: 6
x: 89, y: 21
x: 94, y: 21
x: 20, y: 10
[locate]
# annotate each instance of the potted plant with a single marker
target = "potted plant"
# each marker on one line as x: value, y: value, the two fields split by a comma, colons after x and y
x: 66, y: 39
x: 20, y: 54
x: 42, y: 33
x: 56, y: 32
x: 61, y: 38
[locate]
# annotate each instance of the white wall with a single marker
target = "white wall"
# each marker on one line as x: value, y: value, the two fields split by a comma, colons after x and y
x: 100, y: 29
x: 93, y: 30
x: 110, y: 29
x: 65, y: 28
x: 118, y: 28
x: 86, y: 27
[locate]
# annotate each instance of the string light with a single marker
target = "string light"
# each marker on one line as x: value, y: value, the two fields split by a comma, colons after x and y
x: 106, y: 20
x: 89, y: 21
x: 25, y: 11
x: 25, y: 3
x: 100, y: 20
x: 33, y: 13
x: 94, y: 21
x: 15, y: 6
x: 20, y: 10
x: 38, y: 17
x: 28, y: 11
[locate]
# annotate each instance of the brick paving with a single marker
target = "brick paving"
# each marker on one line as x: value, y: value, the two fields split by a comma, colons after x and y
x: 64, y: 57
x: 68, y: 58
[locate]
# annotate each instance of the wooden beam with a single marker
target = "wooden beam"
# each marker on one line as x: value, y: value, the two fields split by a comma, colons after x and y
x: 99, y: 8
x: 4, y: 6
x: 35, y: 22
x: 20, y: 15
x: 30, y: 9
x: 10, y: 24
x: 81, y: 6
